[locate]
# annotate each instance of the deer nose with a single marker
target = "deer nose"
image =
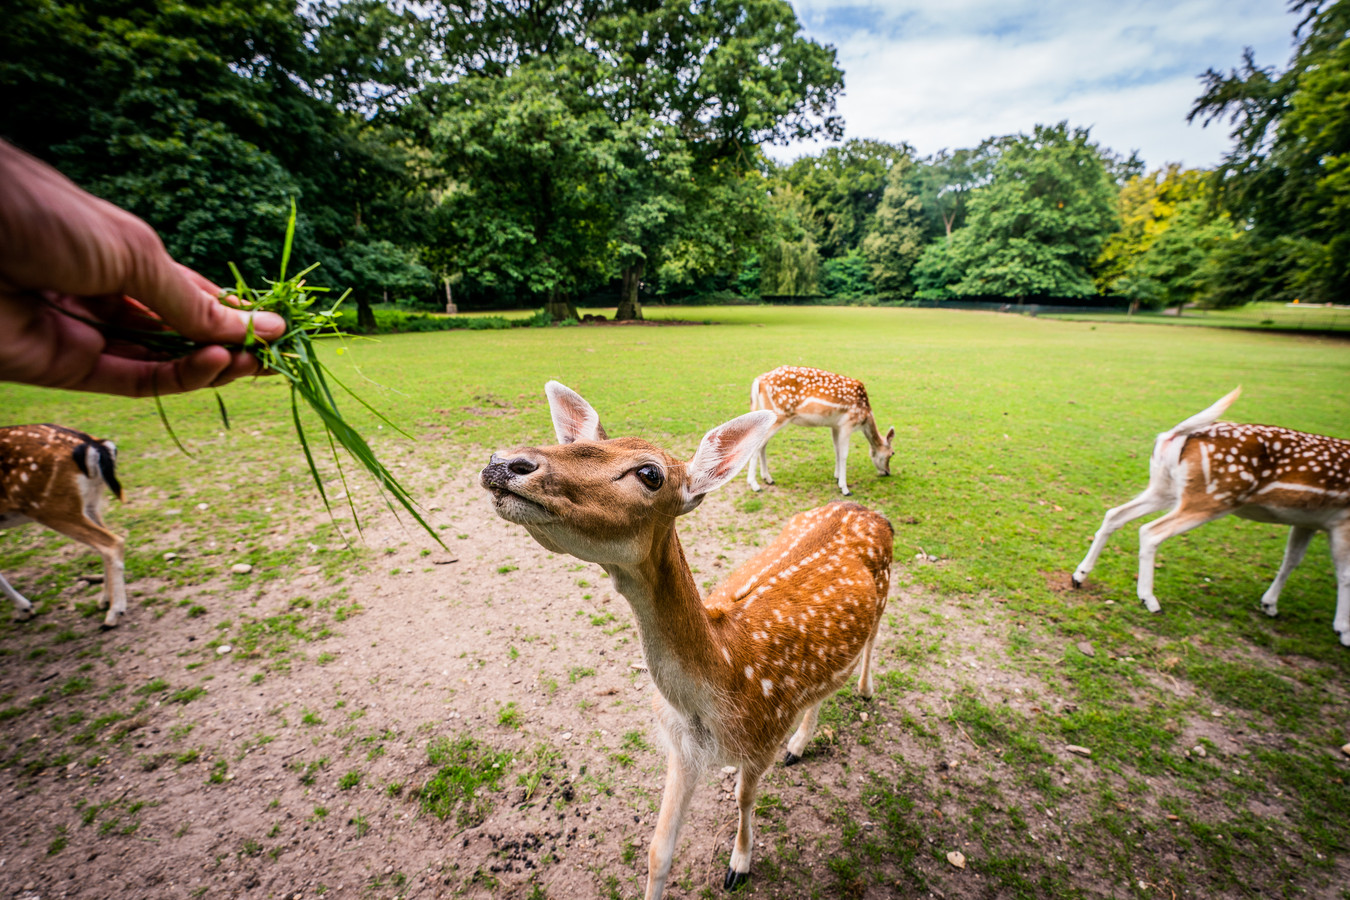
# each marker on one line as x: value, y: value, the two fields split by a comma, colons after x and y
x: 500, y: 470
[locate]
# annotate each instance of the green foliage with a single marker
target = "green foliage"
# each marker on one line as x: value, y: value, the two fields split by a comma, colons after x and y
x: 847, y: 276
x: 1040, y: 223
x: 844, y: 187
x: 380, y: 269
x: 789, y: 262
x: 944, y: 182
x: 205, y: 118
x: 1171, y: 232
x: 896, y: 240
x: 1288, y: 173
x: 588, y: 147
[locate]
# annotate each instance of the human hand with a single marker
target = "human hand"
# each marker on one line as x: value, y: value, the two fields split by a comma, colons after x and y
x: 62, y: 248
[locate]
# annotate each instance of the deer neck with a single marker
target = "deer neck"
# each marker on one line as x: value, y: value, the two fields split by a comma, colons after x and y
x: 678, y: 642
x: 869, y: 430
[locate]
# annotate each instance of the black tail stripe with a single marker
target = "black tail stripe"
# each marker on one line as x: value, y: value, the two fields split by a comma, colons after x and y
x: 107, y: 464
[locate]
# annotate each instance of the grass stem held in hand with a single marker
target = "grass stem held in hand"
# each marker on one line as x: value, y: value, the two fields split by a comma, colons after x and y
x: 292, y: 356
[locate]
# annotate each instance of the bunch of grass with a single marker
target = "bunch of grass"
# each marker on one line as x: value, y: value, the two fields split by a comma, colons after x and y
x: 292, y: 356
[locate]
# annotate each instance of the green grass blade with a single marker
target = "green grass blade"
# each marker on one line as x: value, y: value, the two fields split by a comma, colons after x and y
x: 224, y: 416
x: 290, y: 238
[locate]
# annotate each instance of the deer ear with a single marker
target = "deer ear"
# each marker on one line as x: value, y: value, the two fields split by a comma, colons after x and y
x: 573, y: 418
x: 722, y: 453
x: 890, y: 435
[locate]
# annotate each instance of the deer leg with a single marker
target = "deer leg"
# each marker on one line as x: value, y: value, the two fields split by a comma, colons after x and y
x: 747, y: 782
x: 680, y: 782
x: 1150, y: 501
x: 762, y: 457
x: 1340, y: 553
x: 22, y: 608
x: 1293, y: 555
x: 1178, y: 521
x: 841, y: 435
x: 802, y: 736
x: 109, y: 546
x: 865, y: 669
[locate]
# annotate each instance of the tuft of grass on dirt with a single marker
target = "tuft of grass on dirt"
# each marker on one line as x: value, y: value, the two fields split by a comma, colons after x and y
x: 467, y: 771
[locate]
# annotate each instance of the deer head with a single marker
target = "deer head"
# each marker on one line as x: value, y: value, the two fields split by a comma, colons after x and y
x: 882, y: 453
x: 605, y: 500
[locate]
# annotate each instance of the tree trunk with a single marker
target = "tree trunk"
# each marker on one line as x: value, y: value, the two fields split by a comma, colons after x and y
x: 560, y: 310
x: 365, y: 315
x: 450, y: 306
x: 629, y: 305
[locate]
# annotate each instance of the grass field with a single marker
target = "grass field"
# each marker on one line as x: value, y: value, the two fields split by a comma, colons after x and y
x: 1256, y: 316
x: 1013, y: 436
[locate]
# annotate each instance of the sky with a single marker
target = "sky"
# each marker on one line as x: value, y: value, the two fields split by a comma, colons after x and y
x: 949, y: 73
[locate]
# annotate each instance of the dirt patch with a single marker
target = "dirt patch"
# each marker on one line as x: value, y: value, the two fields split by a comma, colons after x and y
x: 257, y: 736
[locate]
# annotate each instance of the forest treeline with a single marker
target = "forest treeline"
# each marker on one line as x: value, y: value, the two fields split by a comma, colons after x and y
x: 528, y: 153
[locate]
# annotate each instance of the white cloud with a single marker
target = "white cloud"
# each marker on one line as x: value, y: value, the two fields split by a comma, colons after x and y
x: 949, y: 74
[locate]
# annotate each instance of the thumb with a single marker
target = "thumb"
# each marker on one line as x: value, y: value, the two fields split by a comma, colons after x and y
x: 189, y: 302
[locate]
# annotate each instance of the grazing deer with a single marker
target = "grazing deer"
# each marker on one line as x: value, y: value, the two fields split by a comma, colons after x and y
x: 1205, y: 471
x: 737, y: 673
x: 55, y: 476
x: 797, y: 395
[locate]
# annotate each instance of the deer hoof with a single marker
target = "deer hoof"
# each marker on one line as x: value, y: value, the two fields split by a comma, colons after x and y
x: 847, y: 492
x: 1077, y: 582
x: 791, y: 759
x: 735, y: 879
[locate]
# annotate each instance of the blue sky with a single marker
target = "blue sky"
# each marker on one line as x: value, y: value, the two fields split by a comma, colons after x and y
x: 949, y: 74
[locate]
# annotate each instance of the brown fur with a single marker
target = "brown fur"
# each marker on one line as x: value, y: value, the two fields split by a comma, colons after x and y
x: 55, y: 476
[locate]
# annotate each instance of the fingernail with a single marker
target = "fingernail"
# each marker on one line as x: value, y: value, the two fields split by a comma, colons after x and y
x: 267, y: 323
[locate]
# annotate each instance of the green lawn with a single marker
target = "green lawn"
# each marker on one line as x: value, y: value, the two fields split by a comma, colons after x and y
x: 1013, y: 436
x: 999, y: 420
x: 1267, y: 316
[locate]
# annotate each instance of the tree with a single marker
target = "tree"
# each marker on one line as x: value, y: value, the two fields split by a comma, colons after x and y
x: 379, y: 267
x: 1169, y: 231
x: 847, y: 276
x: 727, y: 216
x: 206, y: 119
x: 723, y: 76
x: 617, y: 122
x: 1038, y: 226
x: 1288, y: 172
x: 844, y: 186
x: 896, y: 239
x: 945, y: 180
x: 529, y: 153
x: 789, y: 261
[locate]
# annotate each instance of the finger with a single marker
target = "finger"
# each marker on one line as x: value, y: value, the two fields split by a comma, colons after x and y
x: 140, y: 378
x: 242, y: 365
x: 188, y: 301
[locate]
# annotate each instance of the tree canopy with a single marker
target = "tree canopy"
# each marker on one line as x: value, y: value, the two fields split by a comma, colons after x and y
x: 607, y: 151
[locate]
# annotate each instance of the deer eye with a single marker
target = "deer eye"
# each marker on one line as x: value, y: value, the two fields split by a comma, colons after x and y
x: 651, y: 476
